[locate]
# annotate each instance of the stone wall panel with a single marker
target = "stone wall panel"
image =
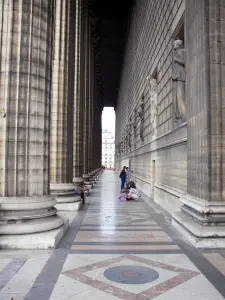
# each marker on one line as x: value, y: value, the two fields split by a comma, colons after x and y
x: 150, y: 53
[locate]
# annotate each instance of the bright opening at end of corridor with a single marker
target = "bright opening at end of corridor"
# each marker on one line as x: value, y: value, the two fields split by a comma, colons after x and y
x: 108, y: 138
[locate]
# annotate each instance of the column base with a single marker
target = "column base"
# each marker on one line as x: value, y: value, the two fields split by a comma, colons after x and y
x: 201, y: 223
x: 74, y: 206
x: 92, y: 178
x: 86, y: 177
x: 66, y: 197
x: 87, y: 181
x: 28, y: 215
x: 42, y: 240
x: 88, y: 184
x: 78, y: 180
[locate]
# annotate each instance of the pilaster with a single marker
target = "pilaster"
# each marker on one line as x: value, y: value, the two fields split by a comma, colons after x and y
x: 202, y: 216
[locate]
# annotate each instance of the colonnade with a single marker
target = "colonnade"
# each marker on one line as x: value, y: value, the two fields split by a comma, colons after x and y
x: 50, y: 118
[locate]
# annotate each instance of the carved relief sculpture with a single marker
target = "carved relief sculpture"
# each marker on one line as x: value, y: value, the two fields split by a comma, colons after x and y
x: 135, y: 127
x: 129, y: 132
x: 179, y: 79
x: 121, y: 148
x: 141, y: 116
x: 117, y: 150
x: 126, y: 139
x: 153, y: 107
x: 135, y: 124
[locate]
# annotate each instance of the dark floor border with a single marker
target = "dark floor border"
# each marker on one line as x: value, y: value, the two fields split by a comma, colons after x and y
x: 10, y: 270
x: 206, y: 268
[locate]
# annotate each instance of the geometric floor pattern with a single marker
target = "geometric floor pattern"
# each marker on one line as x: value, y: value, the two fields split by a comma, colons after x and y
x: 180, y: 276
x: 115, y: 250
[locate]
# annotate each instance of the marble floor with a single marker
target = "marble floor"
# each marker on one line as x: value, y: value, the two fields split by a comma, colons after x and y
x: 115, y: 250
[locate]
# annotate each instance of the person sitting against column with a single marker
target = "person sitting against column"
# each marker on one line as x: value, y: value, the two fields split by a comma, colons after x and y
x: 79, y: 191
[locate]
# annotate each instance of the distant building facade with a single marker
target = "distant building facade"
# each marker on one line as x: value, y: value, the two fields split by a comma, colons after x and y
x: 108, y: 149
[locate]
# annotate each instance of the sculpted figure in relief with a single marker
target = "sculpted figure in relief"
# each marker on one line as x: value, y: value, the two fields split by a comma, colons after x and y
x: 153, y: 99
x: 129, y: 132
x: 141, y: 116
x: 134, y: 124
x: 118, y: 153
x: 179, y: 79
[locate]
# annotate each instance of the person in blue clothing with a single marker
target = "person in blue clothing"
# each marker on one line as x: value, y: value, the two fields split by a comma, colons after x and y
x: 123, y: 176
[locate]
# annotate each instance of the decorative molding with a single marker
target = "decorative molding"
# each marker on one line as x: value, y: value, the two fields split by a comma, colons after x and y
x: 171, y: 190
x: 170, y: 139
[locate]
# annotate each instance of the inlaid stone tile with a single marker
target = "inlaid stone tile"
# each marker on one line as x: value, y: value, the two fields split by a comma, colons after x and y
x: 168, y: 277
x: 125, y: 219
x: 124, y: 236
x: 67, y: 287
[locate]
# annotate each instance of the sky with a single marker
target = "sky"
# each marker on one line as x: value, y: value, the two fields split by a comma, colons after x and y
x: 108, y: 119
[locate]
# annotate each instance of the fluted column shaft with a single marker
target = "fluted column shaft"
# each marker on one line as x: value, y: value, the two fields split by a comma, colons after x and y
x: 26, y: 31
x: 62, y: 186
x: 86, y: 118
x: 91, y: 124
x: 205, y: 104
x: 60, y: 114
x: 78, y: 94
x: 94, y: 141
x: 25, y: 97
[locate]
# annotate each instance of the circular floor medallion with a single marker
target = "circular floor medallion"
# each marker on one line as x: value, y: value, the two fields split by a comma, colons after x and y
x: 131, y: 274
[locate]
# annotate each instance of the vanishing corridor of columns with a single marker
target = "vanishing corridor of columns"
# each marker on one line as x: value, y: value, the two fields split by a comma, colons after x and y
x: 46, y: 91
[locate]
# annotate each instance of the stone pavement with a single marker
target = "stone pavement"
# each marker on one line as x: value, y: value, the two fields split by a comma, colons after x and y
x: 115, y: 250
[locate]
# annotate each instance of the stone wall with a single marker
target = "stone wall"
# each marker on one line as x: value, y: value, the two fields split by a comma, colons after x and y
x: 154, y: 145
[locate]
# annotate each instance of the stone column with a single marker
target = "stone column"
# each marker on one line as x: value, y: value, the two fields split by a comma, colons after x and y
x: 78, y: 96
x: 86, y: 143
x: 61, y: 173
x: 95, y: 139
x: 91, y: 108
x: 98, y: 130
x: 202, y: 218
x: 26, y: 31
x: 98, y: 126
